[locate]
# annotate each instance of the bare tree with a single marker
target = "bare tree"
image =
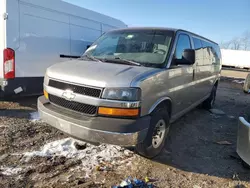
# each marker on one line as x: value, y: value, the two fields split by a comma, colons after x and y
x: 235, y: 43
x: 238, y: 43
x: 245, y: 40
x: 225, y: 45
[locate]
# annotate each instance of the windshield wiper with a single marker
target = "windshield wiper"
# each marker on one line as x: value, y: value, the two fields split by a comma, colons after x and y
x: 124, y: 61
x: 91, y: 58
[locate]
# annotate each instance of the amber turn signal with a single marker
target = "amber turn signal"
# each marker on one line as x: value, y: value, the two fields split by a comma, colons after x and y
x: 46, y: 95
x: 118, y: 111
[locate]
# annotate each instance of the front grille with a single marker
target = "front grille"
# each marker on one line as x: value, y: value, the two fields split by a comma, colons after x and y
x: 83, y: 90
x: 72, y: 105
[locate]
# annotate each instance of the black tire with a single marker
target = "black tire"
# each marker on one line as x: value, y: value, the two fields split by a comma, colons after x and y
x: 245, y: 165
x: 209, y: 103
x: 146, y: 148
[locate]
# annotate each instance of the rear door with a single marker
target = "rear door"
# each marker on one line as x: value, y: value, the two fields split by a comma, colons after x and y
x: 200, y: 69
x: 2, y: 34
x: 207, y: 69
x: 204, y: 66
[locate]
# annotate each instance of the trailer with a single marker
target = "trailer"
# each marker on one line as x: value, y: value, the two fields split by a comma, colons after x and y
x: 235, y: 58
x: 34, y: 34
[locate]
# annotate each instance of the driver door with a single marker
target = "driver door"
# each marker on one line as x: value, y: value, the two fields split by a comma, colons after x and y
x: 183, y: 81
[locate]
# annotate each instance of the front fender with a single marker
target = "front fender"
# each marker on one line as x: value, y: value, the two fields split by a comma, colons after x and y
x: 158, y: 102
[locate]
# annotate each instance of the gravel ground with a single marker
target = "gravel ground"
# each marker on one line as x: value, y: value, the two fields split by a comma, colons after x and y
x: 232, y: 72
x: 200, y: 151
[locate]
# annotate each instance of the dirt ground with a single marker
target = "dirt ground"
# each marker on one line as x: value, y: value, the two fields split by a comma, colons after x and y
x: 236, y: 73
x: 192, y: 157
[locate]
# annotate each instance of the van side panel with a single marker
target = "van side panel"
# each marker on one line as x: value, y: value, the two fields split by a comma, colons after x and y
x: 49, y: 29
x: 70, y: 9
x: 44, y: 35
x: 106, y: 28
x: 83, y: 32
x: 2, y: 35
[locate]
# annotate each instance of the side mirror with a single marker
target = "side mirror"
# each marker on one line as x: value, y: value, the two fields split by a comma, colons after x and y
x: 188, y: 57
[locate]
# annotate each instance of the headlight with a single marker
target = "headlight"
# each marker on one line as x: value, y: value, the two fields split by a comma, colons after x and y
x: 46, y: 79
x: 123, y: 94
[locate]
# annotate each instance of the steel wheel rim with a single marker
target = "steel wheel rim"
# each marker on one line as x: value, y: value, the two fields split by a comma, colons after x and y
x: 159, y: 133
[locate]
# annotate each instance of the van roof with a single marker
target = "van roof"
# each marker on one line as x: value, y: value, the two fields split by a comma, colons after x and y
x: 163, y: 29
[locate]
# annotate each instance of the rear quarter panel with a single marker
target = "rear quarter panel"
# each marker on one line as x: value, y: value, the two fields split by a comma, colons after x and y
x: 2, y: 34
x: 12, y: 24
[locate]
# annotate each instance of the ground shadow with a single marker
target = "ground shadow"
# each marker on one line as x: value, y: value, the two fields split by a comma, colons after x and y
x: 27, y: 101
x: 15, y: 113
x: 192, y: 146
x: 20, y: 107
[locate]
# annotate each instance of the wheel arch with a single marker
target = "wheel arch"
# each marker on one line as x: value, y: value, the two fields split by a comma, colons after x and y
x: 216, y: 83
x: 163, y: 102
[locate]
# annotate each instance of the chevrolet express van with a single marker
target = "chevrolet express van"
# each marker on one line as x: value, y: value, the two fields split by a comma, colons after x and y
x: 130, y: 85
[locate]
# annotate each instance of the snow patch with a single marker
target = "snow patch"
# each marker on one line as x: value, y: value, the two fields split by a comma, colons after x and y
x: 8, y: 171
x: 239, y: 81
x: 231, y: 117
x: 91, y: 156
x: 34, y: 116
x: 217, y: 111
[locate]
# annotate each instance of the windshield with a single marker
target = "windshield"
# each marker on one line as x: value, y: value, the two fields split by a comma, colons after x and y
x: 143, y: 46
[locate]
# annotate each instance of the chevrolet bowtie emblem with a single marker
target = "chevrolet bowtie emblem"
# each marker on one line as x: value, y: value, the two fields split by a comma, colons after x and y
x: 68, y: 95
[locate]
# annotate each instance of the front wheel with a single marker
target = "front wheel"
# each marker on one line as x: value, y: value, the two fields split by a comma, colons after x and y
x: 156, y: 136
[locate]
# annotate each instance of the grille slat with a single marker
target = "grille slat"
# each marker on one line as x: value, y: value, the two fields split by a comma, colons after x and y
x: 72, y: 105
x: 83, y: 90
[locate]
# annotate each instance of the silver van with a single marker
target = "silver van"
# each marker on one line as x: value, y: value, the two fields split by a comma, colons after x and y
x: 130, y: 85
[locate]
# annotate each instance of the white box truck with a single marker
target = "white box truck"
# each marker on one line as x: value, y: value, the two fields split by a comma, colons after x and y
x: 34, y: 34
x: 235, y: 58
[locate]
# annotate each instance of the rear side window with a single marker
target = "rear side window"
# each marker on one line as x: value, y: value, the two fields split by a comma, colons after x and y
x: 217, y: 55
x: 217, y: 50
x: 211, y: 53
x: 198, y: 51
x: 207, y: 53
x: 182, y: 44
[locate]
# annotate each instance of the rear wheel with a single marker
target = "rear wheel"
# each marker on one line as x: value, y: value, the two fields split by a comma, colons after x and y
x: 156, y: 136
x: 209, y: 103
x: 245, y: 165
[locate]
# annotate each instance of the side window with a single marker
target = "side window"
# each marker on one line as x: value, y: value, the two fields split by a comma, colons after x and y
x: 208, y: 53
x: 216, y: 51
x: 198, y: 51
x: 182, y: 44
x: 197, y: 43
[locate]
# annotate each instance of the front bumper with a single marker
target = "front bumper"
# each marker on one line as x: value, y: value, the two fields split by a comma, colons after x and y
x: 243, y: 140
x: 124, y: 132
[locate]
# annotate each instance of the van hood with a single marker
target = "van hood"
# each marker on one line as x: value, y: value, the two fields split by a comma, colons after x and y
x: 98, y: 74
